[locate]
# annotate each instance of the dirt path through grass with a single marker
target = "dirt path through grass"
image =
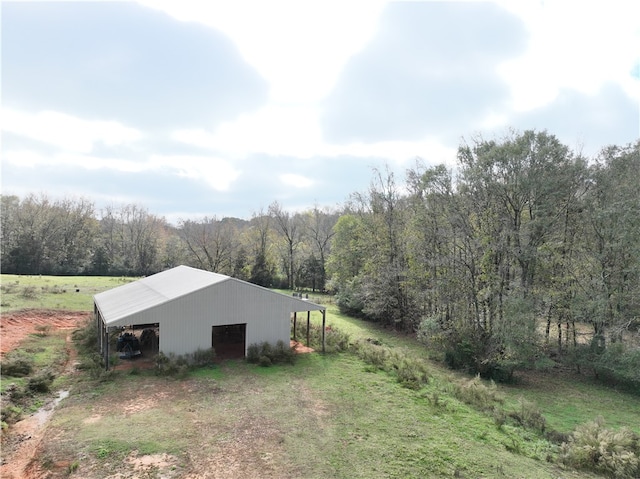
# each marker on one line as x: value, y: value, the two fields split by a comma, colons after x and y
x: 21, y: 442
x: 16, y: 326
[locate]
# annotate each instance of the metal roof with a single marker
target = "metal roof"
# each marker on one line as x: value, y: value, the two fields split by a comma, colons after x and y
x: 129, y: 299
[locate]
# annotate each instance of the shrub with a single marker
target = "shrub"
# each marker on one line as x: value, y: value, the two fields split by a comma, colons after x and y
x: 411, y: 372
x: 372, y: 353
x: 11, y: 414
x: 266, y: 354
x: 92, y: 363
x: 29, y: 292
x: 350, y: 299
x: 556, y: 437
x: 179, y: 365
x: 41, y: 382
x: 15, y: 393
x: 17, y: 365
x: 253, y: 353
x: 170, y: 365
x: 266, y: 349
x: 283, y: 353
x: 86, y: 338
x: 620, y: 365
x: 476, y: 393
x: 9, y: 288
x: 203, y: 357
x: 499, y: 417
x: 335, y: 340
x: 264, y: 361
x: 528, y: 415
x: 595, y: 448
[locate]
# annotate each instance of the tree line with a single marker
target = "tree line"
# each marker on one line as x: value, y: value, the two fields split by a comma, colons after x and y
x: 503, y: 262
x: 524, y: 253
x: 275, y: 248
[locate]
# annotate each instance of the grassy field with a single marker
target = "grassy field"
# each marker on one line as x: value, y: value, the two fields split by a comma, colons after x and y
x: 326, y: 416
x: 74, y: 293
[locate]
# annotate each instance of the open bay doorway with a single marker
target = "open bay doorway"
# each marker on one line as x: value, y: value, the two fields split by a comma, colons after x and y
x: 228, y: 341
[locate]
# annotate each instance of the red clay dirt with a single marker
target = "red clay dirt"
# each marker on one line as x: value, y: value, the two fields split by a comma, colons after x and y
x: 25, y: 436
x: 17, y: 325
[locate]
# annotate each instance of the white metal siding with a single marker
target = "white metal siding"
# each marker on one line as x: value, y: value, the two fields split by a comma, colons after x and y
x: 186, y: 321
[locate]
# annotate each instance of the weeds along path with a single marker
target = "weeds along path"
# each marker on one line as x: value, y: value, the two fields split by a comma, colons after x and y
x: 21, y: 443
x: 17, y: 325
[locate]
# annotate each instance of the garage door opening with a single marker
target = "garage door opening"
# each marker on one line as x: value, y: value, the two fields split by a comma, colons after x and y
x: 229, y: 341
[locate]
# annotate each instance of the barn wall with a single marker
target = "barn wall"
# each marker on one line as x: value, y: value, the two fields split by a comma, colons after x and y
x: 186, y: 322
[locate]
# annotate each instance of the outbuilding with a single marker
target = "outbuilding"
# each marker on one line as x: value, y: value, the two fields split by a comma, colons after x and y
x: 194, y: 309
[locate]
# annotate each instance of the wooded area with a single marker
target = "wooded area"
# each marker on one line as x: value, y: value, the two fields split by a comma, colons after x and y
x: 524, y: 254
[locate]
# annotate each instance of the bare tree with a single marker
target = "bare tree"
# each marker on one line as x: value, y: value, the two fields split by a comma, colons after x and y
x: 290, y: 229
x: 210, y: 242
x: 319, y: 231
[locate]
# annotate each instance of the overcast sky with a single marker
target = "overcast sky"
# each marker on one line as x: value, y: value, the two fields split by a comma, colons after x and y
x: 220, y: 108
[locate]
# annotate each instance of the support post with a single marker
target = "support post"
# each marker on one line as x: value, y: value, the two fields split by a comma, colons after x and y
x: 308, y: 326
x: 324, y: 320
x: 106, y: 348
x: 96, y: 325
x: 294, y: 325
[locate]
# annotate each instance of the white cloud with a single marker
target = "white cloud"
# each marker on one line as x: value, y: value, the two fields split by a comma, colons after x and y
x: 66, y: 131
x: 575, y: 45
x: 298, y: 47
x: 273, y: 130
x: 31, y: 159
x: 217, y: 173
x: 298, y: 135
x: 297, y: 181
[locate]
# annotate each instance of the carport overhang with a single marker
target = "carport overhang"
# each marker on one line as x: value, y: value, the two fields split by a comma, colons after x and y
x: 304, y: 305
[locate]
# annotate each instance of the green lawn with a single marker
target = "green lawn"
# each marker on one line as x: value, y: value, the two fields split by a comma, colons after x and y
x: 74, y: 293
x: 325, y: 416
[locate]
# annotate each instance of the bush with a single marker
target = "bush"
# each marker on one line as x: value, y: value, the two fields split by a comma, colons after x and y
x: 17, y: 365
x: 372, y: 353
x: 266, y: 354
x: 11, y: 414
x: 335, y: 340
x: 411, y: 372
x: 253, y: 353
x: 283, y: 353
x: 264, y: 361
x: 29, y: 292
x: 595, y: 448
x: 86, y: 338
x: 620, y: 365
x: 41, y: 382
x: 171, y: 365
x: 179, y: 365
x: 617, y: 364
x: 350, y: 299
x: 266, y: 349
x: 203, y: 357
x: 529, y: 416
x: 476, y: 393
